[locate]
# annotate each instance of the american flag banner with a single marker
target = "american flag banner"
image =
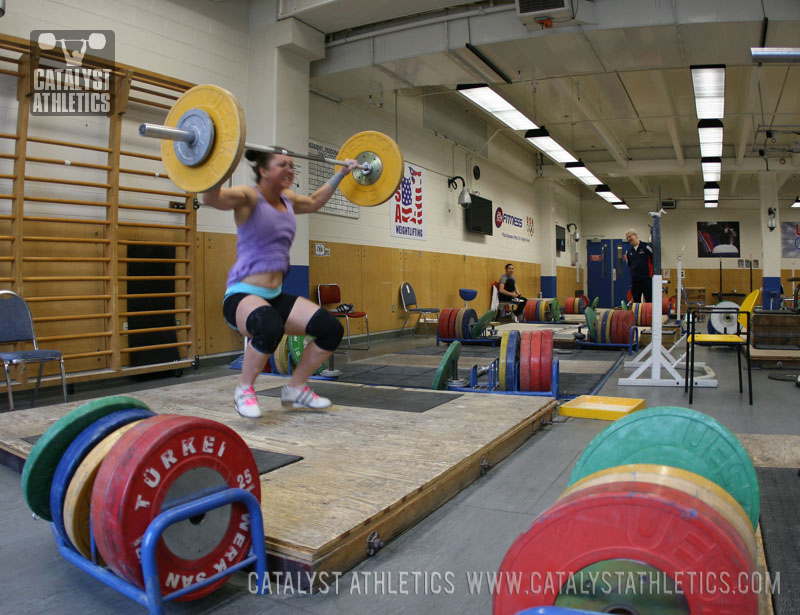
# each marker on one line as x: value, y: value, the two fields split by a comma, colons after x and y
x: 408, y: 214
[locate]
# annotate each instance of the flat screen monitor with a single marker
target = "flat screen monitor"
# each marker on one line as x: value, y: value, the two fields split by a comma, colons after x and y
x: 478, y: 216
x: 561, y: 239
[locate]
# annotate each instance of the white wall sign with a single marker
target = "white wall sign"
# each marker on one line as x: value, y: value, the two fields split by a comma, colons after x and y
x: 407, y: 217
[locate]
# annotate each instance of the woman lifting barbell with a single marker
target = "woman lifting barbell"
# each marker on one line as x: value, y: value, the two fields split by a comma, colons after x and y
x: 254, y: 303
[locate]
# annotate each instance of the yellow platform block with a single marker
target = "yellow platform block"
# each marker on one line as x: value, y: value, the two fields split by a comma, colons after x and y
x: 598, y: 407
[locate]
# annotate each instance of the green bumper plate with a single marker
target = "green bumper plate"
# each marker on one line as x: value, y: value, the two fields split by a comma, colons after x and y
x: 680, y: 438
x: 591, y: 323
x: 479, y: 327
x: 41, y: 464
x: 296, y: 347
x: 448, y: 368
x: 555, y: 310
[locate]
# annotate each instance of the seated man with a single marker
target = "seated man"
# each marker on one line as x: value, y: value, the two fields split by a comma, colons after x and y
x: 507, y: 289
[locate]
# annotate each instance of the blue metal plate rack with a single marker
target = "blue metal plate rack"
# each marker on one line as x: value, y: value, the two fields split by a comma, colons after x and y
x: 150, y: 597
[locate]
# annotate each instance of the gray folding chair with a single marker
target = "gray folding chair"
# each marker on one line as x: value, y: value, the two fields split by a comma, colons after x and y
x: 16, y: 325
x: 409, y: 299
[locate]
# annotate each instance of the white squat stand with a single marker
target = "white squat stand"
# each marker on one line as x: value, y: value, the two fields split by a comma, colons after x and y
x: 650, y: 361
x: 706, y: 380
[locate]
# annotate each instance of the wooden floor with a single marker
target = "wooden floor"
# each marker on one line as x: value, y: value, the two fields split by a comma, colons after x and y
x: 363, y: 470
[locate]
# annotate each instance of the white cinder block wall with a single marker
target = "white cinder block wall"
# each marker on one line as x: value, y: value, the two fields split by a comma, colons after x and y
x: 194, y: 40
x: 197, y: 41
x: 507, y: 178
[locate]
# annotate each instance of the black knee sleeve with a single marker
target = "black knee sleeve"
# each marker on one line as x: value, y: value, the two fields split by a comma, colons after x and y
x: 265, y: 327
x: 327, y: 330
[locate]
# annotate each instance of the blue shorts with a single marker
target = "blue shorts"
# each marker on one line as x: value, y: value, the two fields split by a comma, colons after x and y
x: 279, y: 300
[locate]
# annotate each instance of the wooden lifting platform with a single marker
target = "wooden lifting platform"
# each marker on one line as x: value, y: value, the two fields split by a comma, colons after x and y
x: 365, y: 473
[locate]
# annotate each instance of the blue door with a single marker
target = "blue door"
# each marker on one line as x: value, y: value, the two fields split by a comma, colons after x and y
x: 607, y: 272
x: 599, y: 271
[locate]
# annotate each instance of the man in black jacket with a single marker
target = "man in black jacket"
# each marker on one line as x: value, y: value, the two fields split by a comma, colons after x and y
x: 640, y: 263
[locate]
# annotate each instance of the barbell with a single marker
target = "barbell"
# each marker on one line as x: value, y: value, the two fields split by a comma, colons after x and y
x: 204, y: 138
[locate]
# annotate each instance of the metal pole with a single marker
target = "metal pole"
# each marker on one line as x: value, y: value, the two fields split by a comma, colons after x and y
x: 657, y: 293
x: 157, y: 131
x: 286, y: 152
x: 656, y: 246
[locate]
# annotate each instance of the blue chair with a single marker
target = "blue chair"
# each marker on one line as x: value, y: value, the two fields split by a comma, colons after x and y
x: 16, y: 325
x: 409, y: 300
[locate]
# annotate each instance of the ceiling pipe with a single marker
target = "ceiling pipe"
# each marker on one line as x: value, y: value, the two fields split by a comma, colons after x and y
x: 422, y: 22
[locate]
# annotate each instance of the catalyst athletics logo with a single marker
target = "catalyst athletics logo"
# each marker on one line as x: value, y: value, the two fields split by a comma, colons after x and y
x: 61, y: 83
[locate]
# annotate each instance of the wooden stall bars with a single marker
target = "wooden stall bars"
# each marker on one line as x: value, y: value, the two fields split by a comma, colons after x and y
x: 96, y: 238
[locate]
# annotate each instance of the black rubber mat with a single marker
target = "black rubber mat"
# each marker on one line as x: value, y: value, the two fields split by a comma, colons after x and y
x: 589, y: 354
x: 267, y: 461
x: 780, y: 528
x: 580, y: 384
x: 379, y: 399
x: 467, y: 350
x: 572, y: 384
x: 392, y: 375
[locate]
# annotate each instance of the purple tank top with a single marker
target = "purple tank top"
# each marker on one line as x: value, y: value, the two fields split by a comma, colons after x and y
x: 264, y: 240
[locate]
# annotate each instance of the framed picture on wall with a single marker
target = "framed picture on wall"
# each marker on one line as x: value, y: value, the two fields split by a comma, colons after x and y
x: 718, y: 240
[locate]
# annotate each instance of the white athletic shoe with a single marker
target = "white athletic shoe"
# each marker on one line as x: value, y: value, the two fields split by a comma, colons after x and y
x: 246, y: 402
x: 514, y: 317
x: 303, y: 398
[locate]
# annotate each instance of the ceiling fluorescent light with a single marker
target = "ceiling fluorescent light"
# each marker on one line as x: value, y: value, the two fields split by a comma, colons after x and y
x: 710, y: 132
x: 604, y: 192
x: 711, y: 191
x: 491, y: 102
x: 775, y: 54
x: 796, y: 202
x: 712, y: 169
x: 621, y: 205
x: 711, y: 204
x: 579, y: 170
x: 709, y: 91
x: 542, y: 140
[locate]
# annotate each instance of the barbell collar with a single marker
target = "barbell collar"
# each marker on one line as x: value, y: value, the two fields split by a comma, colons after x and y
x: 157, y: 131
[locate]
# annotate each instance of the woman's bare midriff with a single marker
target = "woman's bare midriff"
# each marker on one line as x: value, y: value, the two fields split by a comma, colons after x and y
x: 268, y: 279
